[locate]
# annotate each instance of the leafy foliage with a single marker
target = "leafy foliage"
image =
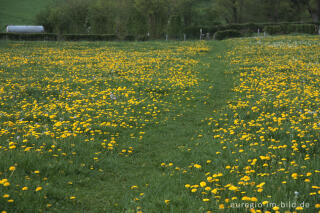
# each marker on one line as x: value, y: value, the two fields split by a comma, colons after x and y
x: 227, y: 34
x: 158, y: 18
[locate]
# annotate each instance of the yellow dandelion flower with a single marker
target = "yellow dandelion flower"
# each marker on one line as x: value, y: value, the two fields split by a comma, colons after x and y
x: 197, y: 166
x: 203, y: 184
x: 254, y: 199
x: 275, y: 208
x: 39, y: 188
x: 208, y: 188
x: 214, y: 191
x: 134, y: 187
x: 233, y: 188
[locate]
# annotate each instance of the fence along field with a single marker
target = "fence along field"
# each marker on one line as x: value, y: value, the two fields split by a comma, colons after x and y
x: 73, y: 114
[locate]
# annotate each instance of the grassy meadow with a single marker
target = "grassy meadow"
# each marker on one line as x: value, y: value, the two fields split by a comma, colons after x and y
x: 217, y: 126
x: 17, y: 12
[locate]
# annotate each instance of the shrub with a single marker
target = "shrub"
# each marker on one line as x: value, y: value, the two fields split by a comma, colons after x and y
x: 30, y: 36
x: 175, y: 27
x: 220, y: 35
x: 213, y: 29
x: 143, y: 38
x: 285, y: 28
x: 305, y: 28
x: 89, y: 37
x: 273, y: 29
x: 3, y: 36
x: 129, y: 38
x: 194, y: 31
x: 245, y: 27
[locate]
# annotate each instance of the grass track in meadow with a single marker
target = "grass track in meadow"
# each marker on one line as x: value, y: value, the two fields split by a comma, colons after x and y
x: 43, y: 86
x: 162, y: 143
x: 214, y: 123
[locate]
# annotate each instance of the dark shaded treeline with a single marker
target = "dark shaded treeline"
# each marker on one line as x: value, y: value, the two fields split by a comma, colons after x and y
x: 172, y: 17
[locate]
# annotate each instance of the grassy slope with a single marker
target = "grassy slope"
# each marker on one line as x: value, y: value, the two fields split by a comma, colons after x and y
x: 20, y: 12
x: 163, y: 144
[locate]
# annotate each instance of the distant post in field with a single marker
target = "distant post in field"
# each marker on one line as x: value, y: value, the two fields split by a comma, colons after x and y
x: 258, y: 32
x: 166, y: 37
x: 200, y: 33
x: 184, y: 37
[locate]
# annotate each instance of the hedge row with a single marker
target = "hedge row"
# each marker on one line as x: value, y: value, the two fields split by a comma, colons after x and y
x: 55, y: 37
x: 291, y: 28
x: 219, y: 32
x: 89, y: 37
x: 220, y: 35
x: 249, y: 28
x: 68, y: 37
x: 29, y: 36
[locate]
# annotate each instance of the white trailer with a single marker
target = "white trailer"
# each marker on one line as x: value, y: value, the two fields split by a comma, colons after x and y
x: 24, y: 29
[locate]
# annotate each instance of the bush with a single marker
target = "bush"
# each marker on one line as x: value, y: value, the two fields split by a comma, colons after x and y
x: 129, y: 38
x: 89, y: 37
x: 143, y: 38
x: 30, y: 36
x: 273, y: 29
x: 220, y: 35
x: 3, y: 36
x: 285, y: 28
x: 194, y: 31
x: 213, y: 29
x: 175, y: 27
x: 246, y: 27
x: 305, y: 28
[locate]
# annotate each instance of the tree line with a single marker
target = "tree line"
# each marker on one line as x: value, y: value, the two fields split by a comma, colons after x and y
x: 172, y: 17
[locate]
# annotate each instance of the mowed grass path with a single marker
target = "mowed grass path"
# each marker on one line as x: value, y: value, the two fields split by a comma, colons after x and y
x: 127, y: 178
x: 68, y: 147
x: 160, y: 126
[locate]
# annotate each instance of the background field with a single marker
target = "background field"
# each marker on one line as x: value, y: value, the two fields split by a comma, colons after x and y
x: 17, y: 12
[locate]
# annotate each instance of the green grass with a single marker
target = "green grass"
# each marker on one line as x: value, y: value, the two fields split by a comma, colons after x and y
x: 164, y: 143
x: 17, y: 12
x: 195, y: 125
x: 105, y: 185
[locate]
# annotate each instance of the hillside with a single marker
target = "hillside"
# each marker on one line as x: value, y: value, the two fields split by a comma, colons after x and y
x: 20, y: 12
